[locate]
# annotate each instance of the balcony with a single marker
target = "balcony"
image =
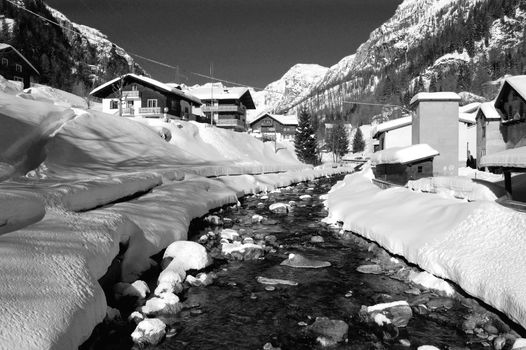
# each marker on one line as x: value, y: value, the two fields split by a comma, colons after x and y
x: 224, y: 108
x: 131, y: 94
x: 150, y: 110
x: 231, y: 123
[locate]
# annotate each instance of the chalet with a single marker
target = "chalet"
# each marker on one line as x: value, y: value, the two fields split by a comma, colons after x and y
x: 14, y: 66
x: 489, y: 137
x: 510, y: 104
x: 274, y: 126
x: 398, y: 165
x: 146, y: 97
x: 226, y: 107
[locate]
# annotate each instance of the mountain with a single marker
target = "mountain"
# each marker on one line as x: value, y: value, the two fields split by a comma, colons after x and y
x: 291, y: 88
x: 75, y: 59
x: 428, y: 45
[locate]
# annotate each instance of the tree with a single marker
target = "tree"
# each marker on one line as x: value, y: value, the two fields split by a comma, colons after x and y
x: 305, y: 141
x: 358, y: 144
x: 339, y: 141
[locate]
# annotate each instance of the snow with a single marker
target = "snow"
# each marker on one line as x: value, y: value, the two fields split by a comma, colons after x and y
x: 391, y: 124
x: 55, y: 96
x: 434, y: 96
x: 515, y: 157
x: 477, y: 245
x: 58, y: 162
x: 488, y: 108
x: 403, y: 155
x: 458, y: 187
x: 518, y: 83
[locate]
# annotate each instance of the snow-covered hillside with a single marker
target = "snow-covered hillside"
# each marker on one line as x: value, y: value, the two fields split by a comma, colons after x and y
x: 426, y: 45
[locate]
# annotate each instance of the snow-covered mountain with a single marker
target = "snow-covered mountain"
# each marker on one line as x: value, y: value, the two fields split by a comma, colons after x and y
x: 430, y: 45
x: 71, y: 56
x: 291, y: 88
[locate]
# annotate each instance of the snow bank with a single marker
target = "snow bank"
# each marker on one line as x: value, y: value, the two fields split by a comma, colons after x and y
x: 478, y: 245
x: 459, y: 187
x: 49, y: 294
x: 403, y: 155
x: 19, y: 209
x: 51, y: 95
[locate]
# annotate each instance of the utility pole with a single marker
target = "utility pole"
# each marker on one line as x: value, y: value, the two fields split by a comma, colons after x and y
x: 212, y: 94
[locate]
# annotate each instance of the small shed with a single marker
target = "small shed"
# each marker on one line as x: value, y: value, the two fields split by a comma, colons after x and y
x: 401, y: 164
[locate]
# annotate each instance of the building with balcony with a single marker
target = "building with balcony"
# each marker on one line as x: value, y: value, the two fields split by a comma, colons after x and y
x: 14, y: 66
x: 225, y: 107
x: 274, y: 126
x: 135, y: 95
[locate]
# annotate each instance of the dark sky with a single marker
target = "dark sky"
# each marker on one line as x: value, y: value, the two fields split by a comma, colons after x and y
x: 253, y: 42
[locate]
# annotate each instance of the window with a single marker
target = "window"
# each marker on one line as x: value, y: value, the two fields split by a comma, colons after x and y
x: 114, y: 104
x: 5, y: 61
x: 15, y: 78
x: 151, y: 102
x: 18, y: 67
x: 134, y: 87
x: 419, y: 169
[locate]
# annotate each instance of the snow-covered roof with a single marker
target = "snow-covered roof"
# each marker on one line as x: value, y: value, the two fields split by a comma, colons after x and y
x: 468, y: 118
x: 403, y: 155
x: 4, y: 46
x: 216, y: 92
x: 510, y: 158
x: 434, y: 96
x: 469, y: 108
x: 391, y: 125
x: 280, y: 118
x: 107, y: 88
x: 518, y: 83
x: 489, y: 111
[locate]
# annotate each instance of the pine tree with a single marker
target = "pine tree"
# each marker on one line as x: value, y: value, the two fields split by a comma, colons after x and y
x: 340, y: 142
x: 358, y: 144
x: 305, y: 142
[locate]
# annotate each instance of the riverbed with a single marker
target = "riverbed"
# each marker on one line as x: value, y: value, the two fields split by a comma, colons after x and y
x: 236, y: 311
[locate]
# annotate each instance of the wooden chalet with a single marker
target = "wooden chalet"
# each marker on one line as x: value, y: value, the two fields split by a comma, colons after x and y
x: 146, y: 97
x: 274, y: 126
x: 398, y: 165
x: 14, y: 66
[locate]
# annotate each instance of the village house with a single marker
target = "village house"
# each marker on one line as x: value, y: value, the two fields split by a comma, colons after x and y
x: 489, y: 137
x: 146, y: 97
x: 398, y: 165
x: 510, y: 104
x: 225, y: 107
x: 14, y: 66
x: 432, y: 124
x: 274, y: 126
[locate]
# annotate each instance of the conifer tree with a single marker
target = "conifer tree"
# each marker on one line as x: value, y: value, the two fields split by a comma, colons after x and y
x: 340, y: 142
x: 305, y: 141
x: 358, y: 144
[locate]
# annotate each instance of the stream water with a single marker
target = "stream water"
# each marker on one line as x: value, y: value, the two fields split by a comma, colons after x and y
x: 238, y: 312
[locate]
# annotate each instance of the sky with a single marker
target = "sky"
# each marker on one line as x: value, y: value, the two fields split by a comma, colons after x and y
x: 253, y: 42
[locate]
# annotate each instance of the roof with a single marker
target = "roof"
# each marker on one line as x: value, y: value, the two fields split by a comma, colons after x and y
x: 106, y: 89
x: 510, y: 158
x: 434, y: 96
x: 6, y: 47
x: 404, y: 155
x: 469, y: 108
x: 280, y: 118
x: 517, y: 83
x: 468, y: 118
x: 220, y: 92
x: 392, y: 124
x: 489, y: 111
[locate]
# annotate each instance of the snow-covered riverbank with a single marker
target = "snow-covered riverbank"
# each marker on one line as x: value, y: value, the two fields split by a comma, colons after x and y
x: 78, y: 184
x: 478, y: 245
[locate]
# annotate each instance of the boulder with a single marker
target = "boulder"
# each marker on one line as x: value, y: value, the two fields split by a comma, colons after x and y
x: 397, y: 313
x: 329, y: 332
x: 306, y: 197
x: 136, y: 317
x: 167, y: 304
x: 279, y: 208
x: 239, y: 251
x: 317, y: 239
x: 213, y: 220
x: 229, y: 234
x: 299, y: 261
x: 149, y: 332
x: 189, y: 255
x: 371, y: 269
x: 170, y: 280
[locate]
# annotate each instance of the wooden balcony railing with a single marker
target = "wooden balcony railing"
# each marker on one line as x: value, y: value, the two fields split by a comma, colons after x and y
x: 131, y: 94
x: 224, y: 108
